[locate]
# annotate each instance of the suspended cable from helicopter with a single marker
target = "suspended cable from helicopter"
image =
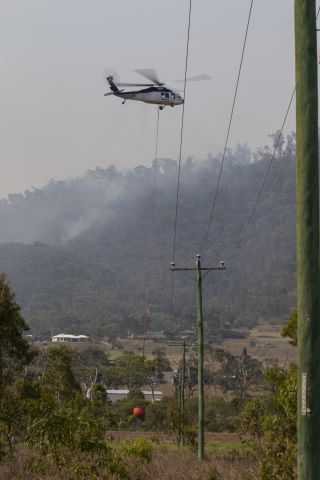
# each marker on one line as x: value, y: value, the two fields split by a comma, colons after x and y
x: 150, y: 238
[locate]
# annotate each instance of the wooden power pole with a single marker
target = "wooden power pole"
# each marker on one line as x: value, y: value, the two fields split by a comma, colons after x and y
x: 308, y: 268
x: 182, y: 390
x: 198, y: 269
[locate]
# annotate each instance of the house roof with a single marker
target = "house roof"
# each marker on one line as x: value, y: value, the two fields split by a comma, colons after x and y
x: 68, y: 335
x: 125, y: 392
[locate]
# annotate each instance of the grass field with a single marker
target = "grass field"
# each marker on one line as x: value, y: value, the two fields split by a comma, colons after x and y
x: 226, y: 458
x: 264, y: 342
x: 183, y: 465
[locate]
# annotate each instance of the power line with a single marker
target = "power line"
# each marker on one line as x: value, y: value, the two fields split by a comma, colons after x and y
x: 203, y: 246
x: 181, y: 136
x: 268, y: 168
x: 270, y: 163
x: 179, y: 161
x: 267, y: 171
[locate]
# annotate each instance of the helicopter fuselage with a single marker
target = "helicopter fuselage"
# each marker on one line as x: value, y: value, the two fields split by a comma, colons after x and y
x: 154, y: 95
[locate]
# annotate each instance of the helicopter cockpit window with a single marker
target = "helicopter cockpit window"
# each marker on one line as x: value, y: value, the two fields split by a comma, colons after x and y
x: 172, y: 95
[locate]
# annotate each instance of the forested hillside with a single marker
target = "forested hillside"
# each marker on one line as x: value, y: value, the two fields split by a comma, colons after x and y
x: 75, y: 251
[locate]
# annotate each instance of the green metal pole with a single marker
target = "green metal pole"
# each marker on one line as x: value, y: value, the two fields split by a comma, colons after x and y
x: 308, y: 269
x: 179, y: 402
x: 200, y: 361
x: 183, y: 374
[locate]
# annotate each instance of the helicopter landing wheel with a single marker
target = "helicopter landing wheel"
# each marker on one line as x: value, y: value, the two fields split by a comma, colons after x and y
x: 172, y: 105
x: 161, y: 108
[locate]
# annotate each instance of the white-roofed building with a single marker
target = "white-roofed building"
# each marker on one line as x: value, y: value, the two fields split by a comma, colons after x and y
x: 68, y: 338
x: 115, y: 395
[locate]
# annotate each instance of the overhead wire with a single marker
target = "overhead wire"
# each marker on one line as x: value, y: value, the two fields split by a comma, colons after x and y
x: 179, y: 159
x: 275, y: 148
x: 150, y: 237
x: 259, y: 194
x: 276, y: 145
x: 211, y: 218
x: 262, y: 185
x: 181, y: 135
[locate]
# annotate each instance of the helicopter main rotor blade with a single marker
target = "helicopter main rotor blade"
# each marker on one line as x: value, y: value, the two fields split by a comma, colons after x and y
x: 196, y: 78
x: 107, y: 94
x: 150, y: 74
x: 136, y: 84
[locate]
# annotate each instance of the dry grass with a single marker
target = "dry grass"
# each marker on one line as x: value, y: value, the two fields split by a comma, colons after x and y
x: 264, y: 342
x: 14, y: 469
x: 226, y: 438
x: 183, y: 465
x: 165, y: 465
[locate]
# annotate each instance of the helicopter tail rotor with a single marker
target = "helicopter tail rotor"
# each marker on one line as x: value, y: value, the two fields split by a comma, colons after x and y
x: 112, y: 78
x: 113, y: 85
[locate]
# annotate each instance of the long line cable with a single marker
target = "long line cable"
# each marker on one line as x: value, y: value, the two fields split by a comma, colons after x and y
x: 211, y: 218
x: 150, y: 237
x: 179, y: 161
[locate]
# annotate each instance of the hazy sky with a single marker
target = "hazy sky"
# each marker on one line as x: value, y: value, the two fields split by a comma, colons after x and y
x: 54, y: 120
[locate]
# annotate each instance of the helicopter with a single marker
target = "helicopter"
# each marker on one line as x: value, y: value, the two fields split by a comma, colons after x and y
x: 156, y: 92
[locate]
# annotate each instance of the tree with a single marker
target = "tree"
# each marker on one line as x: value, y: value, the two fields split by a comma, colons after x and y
x: 278, y: 141
x: 131, y: 370
x: 177, y: 422
x: 249, y: 371
x: 227, y: 374
x: 290, y: 330
x: 12, y: 422
x: 15, y: 351
x: 152, y: 374
x: 135, y: 394
x: 272, y: 421
x: 72, y: 446
x: 58, y: 375
x: 162, y: 361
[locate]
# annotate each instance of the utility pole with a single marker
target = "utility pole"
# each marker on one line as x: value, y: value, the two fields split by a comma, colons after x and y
x: 200, y: 360
x: 183, y: 376
x: 308, y: 268
x: 198, y: 269
x: 181, y: 391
